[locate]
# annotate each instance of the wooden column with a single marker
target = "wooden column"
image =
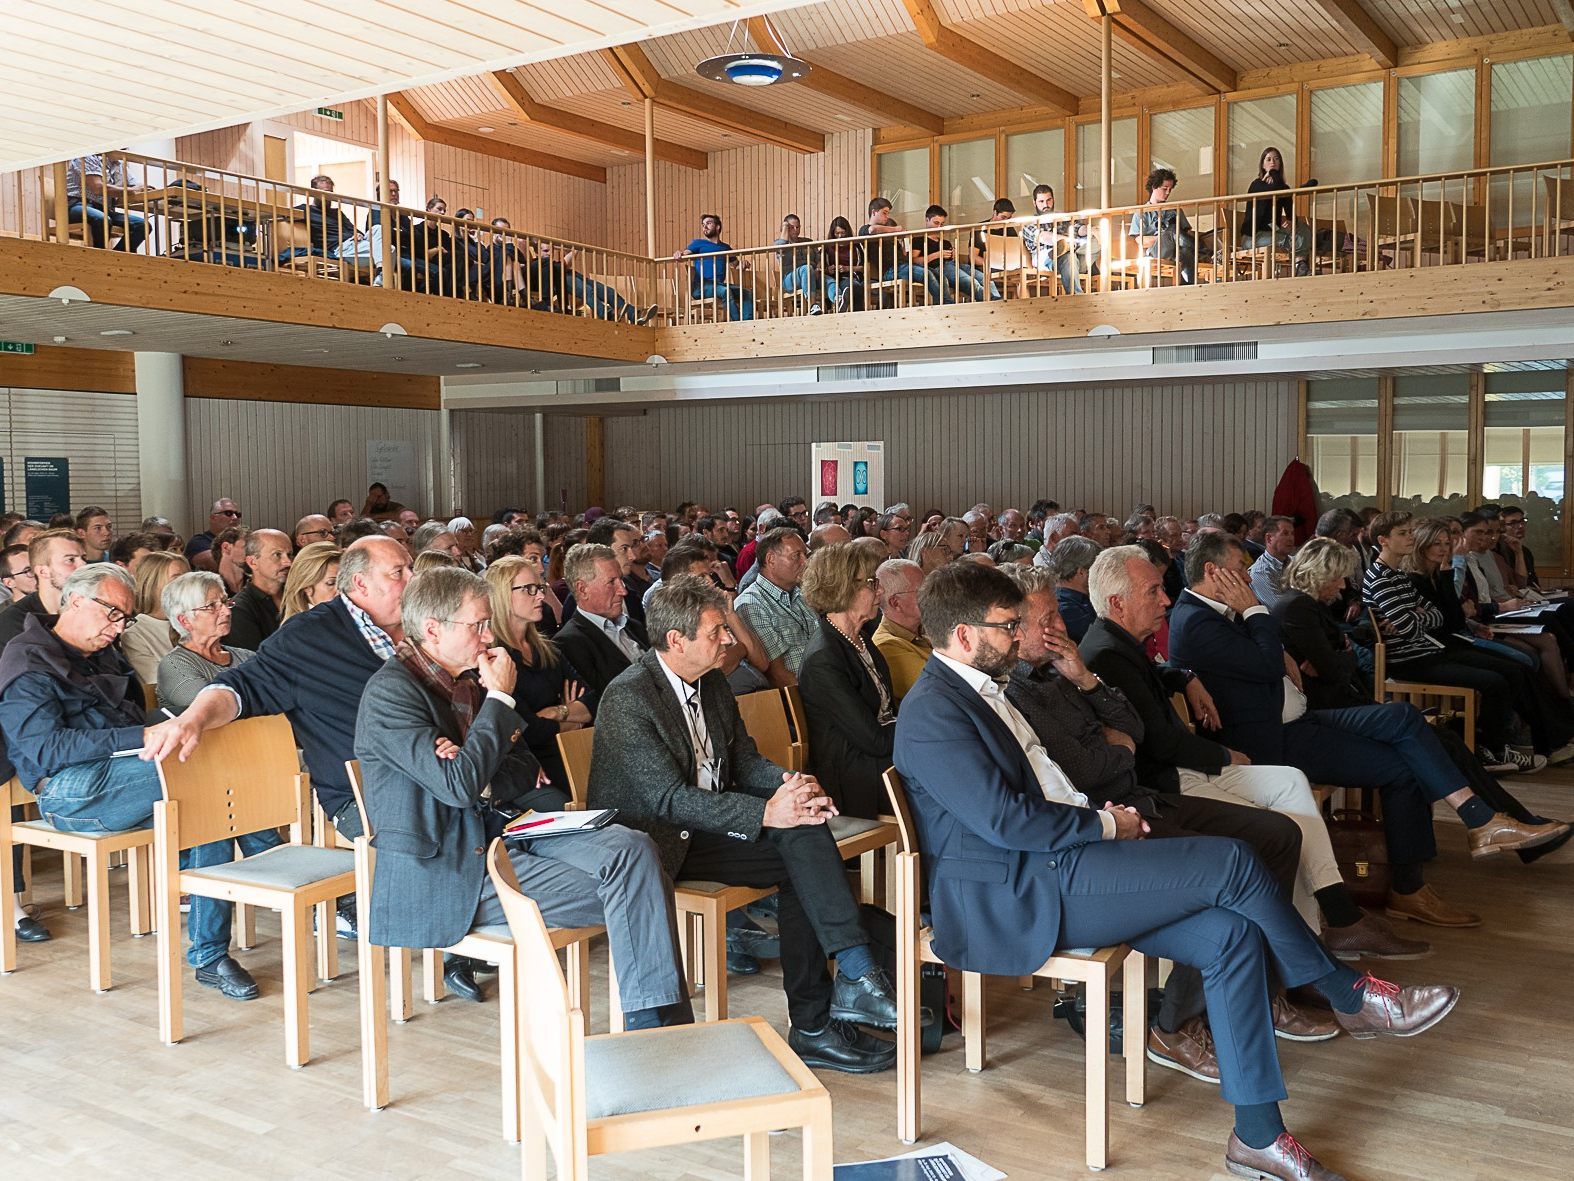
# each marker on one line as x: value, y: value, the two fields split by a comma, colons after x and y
x: 1106, y: 70
x: 62, y: 221
x: 386, y: 262
x: 650, y: 177
x: 595, y: 460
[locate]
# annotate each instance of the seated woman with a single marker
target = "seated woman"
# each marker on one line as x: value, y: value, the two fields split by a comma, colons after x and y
x: 842, y: 264
x: 198, y: 608
x: 547, y: 693
x: 313, y: 578
x: 149, y: 638
x: 848, y: 702
x: 1270, y: 221
x: 1332, y: 678
x: 1432, y: 569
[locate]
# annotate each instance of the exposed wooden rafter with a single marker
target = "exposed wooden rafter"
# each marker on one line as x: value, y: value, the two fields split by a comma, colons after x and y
x: 465, y: 141
x: 940, y: 38
x: 1357, y: 24
x: 642, y: 80
x: 844, y: 89
x: 1140, y: 26
x: 512, y: 91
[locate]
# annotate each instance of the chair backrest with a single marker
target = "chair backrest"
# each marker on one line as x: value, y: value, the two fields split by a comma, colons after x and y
x: 1379, y: 657
x: 800, y: 725
x: 896, y: 793
x: 352, y: 768
x: 1182, y: 707
x: 765, y: 718
x: 1433, y: 221
x: 1392, y: 215
x: 551, y: 1032
x: 1560, y: 197
x: 1006, y: 252
x: 149, y: 698
x: 574, y: 746
x: 242, y: 778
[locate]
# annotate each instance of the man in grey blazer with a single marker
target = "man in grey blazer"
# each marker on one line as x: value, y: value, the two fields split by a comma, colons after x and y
x: 438, y: 748
x: 671, y: 754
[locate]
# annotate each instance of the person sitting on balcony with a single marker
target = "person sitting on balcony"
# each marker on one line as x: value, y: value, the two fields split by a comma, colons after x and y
x: 1004, y: 210
x: 471, y: 258
x: 401, y: 247
x: 710, y: 278
x: 800, y: 264
x: 434, y: 250
x: 937, y: 252
x: 1064, y: 247
x: 326, y: 223
x: 1166, y: 234
x: 1270, y: 222
x: 94, y: 188
x: 842, y: 264
x: 559, y: 287
x: 500, y: 263
x: 893, y: 261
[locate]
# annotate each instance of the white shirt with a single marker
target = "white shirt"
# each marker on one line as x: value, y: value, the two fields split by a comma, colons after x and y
x: 616, y: 630
x: 1294, y: 699
x: 1052, y: 780
x: 707, y: 765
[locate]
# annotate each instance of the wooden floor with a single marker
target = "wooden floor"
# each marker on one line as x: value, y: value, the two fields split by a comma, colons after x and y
x: 86, y: 1088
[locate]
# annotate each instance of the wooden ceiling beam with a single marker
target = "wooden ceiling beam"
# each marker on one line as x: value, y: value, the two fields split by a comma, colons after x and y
x: 465, y: 141
x: 1140, y: 26
x: 848, y: 90
x: 513, y: 92
x: 642, y: 80
x: 940, y: 38
x: 1368, y: 36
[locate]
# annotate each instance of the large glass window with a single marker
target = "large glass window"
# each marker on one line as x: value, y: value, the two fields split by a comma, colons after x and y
x: 1530, y: 125
x: 1124, y: 185
x: 1437, y: 126
x: 1341, y: 428
x: 1524, y: 455
x: 1183, y: 141
x: 1347, y: 133
x: 1432, y: 444
x: 1255, y: 125
x: 967, y: 179
x: 1035, y: 158
x: 902, y: 178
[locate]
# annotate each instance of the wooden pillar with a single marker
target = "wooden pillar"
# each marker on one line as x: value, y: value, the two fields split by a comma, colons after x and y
x: 386, y: 262
x: 1106, y: 71
x: 650, y: 177
x: 595, y: 460
x: 62, y: 221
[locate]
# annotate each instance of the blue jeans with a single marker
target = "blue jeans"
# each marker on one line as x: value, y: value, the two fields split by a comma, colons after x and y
x: 606, y: 303
x: 906, y: 270
x: 1064, y: 263
x: 132, y: 227
x: 740, y: 300
x: 802, y: 278
x: 114, y: 795
x: 960, y: 276
x: 853, y: 284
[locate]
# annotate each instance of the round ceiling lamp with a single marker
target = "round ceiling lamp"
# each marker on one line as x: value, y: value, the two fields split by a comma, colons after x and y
x: 761, y: 67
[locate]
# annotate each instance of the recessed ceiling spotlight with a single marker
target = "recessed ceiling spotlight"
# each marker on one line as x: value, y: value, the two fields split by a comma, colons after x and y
x: 315, y: 350
x: 486, y: 130
x: 226, y: 343
x: 61, y: 339
x: 117, y: 332
x: 398, y: 358
x: 467, y: 365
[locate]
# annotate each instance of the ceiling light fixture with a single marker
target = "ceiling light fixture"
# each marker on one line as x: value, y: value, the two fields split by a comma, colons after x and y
x: 69, y: 295
x: 756, y: 68
x: 486, y: 130
x: 117, y: 332
x: 467, y: 364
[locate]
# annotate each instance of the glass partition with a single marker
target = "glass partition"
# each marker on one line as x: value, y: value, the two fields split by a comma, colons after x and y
x: 967, y: 180
x: 1431, y: 468
x: 1034, y: 158
x: 1347, y: 133
x: 1530, y: 125
x: 1437, y: 125
x: 1341, y: 428
x: 902, y: 178
x: 1183, y: 141
x: 1125, y: 186
x: 1524, y: 417
x: 1255, y: 125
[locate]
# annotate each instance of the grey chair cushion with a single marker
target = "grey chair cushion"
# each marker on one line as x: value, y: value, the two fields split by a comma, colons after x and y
x: 700, y: 1064
x: 843, y: 827
x: 45, y: 826
x: 287, y: 867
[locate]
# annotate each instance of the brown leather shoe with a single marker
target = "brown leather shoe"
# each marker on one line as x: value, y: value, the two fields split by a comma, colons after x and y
x: 1424, y: 906
x: 1296, y: 1024
x: 1189, y: 1050
x: 1283, y: 1160
x: 1373, y: 936
x: 1503, y: 834
x: 1390, y: 1011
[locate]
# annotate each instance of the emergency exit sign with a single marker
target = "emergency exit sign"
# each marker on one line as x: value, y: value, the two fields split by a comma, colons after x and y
x: 330, y: 113
x: 20, y: 347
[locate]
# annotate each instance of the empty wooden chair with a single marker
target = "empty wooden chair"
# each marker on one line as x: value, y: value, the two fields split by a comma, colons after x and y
x: 1011, y: 266
x: 584, y: 1096
x: 1557, y: 219
x: 1095, y: 969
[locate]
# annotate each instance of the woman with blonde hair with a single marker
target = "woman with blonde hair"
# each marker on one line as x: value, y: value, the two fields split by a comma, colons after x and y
x: 150, y: 638
x: 313, y: 578
x: 929, y: 550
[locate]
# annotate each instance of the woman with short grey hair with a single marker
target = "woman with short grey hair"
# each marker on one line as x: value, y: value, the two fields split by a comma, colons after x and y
x: 198, y: 608
x: 1011, y: 553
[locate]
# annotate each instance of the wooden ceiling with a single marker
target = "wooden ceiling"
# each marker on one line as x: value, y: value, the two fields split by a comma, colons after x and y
x: 927, y: 64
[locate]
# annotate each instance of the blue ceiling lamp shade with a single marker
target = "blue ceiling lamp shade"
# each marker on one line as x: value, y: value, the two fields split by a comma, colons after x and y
x: 759, y: 68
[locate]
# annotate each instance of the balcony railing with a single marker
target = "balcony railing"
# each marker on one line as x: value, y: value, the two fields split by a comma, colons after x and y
x: 211, y: 216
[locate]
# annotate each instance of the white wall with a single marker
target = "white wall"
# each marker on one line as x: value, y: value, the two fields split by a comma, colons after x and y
x: 96, y: 432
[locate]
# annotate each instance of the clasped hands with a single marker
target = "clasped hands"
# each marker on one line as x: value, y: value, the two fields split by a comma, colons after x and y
x: 800, y: 800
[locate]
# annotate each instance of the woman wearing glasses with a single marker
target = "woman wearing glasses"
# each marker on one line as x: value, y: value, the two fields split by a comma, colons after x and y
x: 149, y: 638
x: 547, y: 693
x: 198, y: 608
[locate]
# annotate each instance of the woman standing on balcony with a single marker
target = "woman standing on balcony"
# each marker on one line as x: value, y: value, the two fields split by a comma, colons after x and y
x: 1270, y: 221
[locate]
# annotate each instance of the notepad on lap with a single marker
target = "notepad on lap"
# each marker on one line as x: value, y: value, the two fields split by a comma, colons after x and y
x: 532, y: 826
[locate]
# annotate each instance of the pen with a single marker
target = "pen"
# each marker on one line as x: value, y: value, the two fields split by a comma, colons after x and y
x: 531, y: 824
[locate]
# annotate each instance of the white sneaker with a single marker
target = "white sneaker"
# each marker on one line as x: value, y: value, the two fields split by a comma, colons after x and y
x: 815, y: 309
x: 1563, y: 754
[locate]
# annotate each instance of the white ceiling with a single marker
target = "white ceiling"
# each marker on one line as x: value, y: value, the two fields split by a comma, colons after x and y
x: 91, y: 75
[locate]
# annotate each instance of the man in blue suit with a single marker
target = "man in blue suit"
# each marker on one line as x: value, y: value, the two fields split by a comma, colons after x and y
x: 1020, y: 864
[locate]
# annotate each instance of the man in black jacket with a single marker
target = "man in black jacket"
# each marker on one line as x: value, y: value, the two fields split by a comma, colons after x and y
x: 599, y: 639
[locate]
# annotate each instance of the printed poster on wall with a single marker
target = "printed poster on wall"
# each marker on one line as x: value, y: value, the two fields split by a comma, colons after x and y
x: 47, y: 482
x: 850, y: 472
x: 828, y: 477
x: 392, y: 462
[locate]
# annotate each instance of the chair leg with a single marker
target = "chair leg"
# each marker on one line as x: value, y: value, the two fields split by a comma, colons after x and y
x: 137, y: 864
x: 908, y: 1048
x: 508, y: 1018
x: 713, y: 953
x: 1134, y: 1016
x: 374, y: 1022
x: 400, y: 998
x: 1097, y: 1051
x: 817, y: 1145
x: 72, y: 868
x: 8, y: 887
x: 327, y: 942
x: 614, y: 997
x: 245, y: 926
x: 432, y: 975
x: 973, y: 1019
x: 866, y: 877
x: 297, y: 1028
x: 166, y: 891
x: 578, y: 956
x: 756, y: 1156
x: 98, y: 921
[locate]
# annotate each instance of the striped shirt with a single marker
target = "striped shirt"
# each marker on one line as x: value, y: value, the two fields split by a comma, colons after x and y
x: 1410, y: 618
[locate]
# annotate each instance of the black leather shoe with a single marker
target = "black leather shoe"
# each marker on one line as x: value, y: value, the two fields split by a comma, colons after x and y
x: 869, y: 1000
x: 741, y: 963
x: 32, y: 931
x: 460, y: 979
x: 229, y: 978
x: 843, y: 1046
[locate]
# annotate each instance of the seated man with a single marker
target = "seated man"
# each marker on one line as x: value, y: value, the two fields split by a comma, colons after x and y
x: 1058, y: 244
x: 711, y: 278
x: 671, y: 754
x: 773, y: 607
x: 68, y: 702
x: 937, y: 253
x: 1020, y: 865
x: 255, y: 612
x: 892, y: 258
x: 599, y: 639
x: 442, y: 769
x: 328, y: 226
x: 1222, y: 633
x: 1267, y: 572
x: 94, y: 191
x: 1165, y: 234
x: 900, y: 636
x: 800, y: 265
x: 1070, y: 560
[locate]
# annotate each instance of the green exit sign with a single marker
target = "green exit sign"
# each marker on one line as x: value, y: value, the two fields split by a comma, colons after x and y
x: 20, y: 347
x: 330, y: 113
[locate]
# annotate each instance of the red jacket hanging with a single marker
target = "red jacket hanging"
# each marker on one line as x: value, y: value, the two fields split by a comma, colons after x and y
x: 1295, y: 496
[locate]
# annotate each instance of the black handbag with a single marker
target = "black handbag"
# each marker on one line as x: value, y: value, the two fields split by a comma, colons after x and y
x: 1362, y: 852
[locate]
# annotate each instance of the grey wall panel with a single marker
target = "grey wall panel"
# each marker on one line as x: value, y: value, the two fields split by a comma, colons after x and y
x: 96, y: 432
x: 494, y: 460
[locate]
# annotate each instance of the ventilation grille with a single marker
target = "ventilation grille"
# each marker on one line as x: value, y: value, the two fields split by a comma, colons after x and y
x: 1185, y: 354
x: 591, y: 385
x: 872, y: 371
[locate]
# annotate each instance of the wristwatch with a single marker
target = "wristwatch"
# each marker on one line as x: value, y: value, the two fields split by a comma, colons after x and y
x: 562, y: 713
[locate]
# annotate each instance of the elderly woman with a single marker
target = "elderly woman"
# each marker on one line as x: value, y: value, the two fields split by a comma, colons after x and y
x: 1071, y: 559
x: 313, y: 578
x: 469, y: 542
x: 198, y: 608
x: 547, y: 693
x: 848, y: 702
x: 149, y: 638
x: 1011, y: 553
x: 929, y: 550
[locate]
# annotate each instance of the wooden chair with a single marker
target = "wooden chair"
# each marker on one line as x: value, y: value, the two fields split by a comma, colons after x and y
x: 585, y: 1096
x: 95, y: 850
x: 1011, y: 265
x: 1095, y: 969
x: 800, y: 728
x: 1420, y: 694
x: 1393, y: 228
x: 50, y: 177
x: 1321, y: 792
x: 244, y: 778
x: 1557, y: 219
x: 1136, y: 269
x: 492, y: 944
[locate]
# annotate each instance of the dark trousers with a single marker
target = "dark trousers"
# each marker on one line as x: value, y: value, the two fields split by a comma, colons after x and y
x: 1503, y: 688
x: 817, y: 915
x: 1207, y: 902
x: 1275, y: 838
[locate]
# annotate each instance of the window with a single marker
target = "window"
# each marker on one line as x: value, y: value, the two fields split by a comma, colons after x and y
x: 1341, y: 428
x: 1255, y: 125
x: 1035, y: 158
x: 1125, y: 185
x: 1432, y: 445
x: 902, y: 178
x: 1524, y: 455
x: 1183, y: 141
x: 1437, y: 125
x: 967, y: 180
x: 1347, y: 133
x: 1530, y: 125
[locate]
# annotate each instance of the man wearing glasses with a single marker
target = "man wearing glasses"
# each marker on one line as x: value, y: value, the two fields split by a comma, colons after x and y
x: 69, y: 703
x: 199, y: 549
x: 314, y: 527
x: 16, y: 575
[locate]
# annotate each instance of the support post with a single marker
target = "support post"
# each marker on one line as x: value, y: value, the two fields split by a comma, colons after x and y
x: 650, y: 177
x: 386, y: 261
x: 595, y: 460
x: 161, y: 437
x: 540, y: 457
x: 1106, y: 71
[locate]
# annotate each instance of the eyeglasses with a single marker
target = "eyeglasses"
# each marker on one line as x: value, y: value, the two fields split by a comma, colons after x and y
x: 479, y: 627
x: 23, y: 572
x: 317, y: 533
x: 228, y: 512
x: 114, y: 613
x: 533, y: 589
x: 1011, y: 626
x: 872, y: 582
x: 214, y: 606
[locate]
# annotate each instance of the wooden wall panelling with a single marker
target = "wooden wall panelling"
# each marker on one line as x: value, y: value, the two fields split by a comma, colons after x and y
x: 565, y: 462
x: 531, y: 198
x: 104, y: 464
x: 207, y: 377
x: 55, y: 368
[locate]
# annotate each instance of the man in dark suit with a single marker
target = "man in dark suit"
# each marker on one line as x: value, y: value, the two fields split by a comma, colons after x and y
x: 438, y: 739
x: 599, y: 639
x: 1019, y: 864
x: 1221, y: 632
x: 671, y: 754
